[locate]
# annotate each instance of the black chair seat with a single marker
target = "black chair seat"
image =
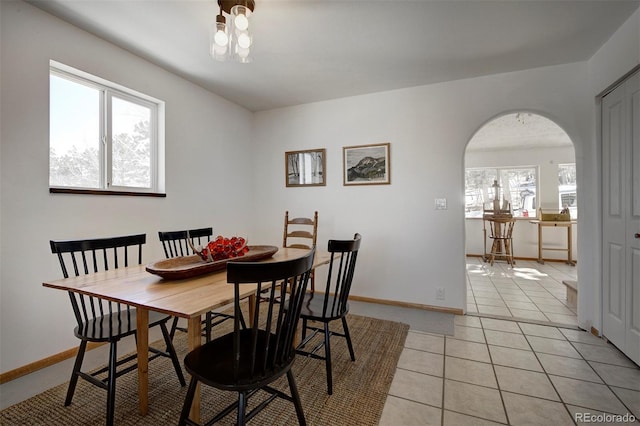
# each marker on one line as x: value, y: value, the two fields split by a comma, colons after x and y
x: 213, y: 362
x: 115, y: 326
x: 313, y: 307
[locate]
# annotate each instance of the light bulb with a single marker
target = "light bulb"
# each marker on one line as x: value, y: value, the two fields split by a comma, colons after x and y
x: 243, y: 56
x: 244, y: 41
x: 219, y: 53
x: 241, y: 22
x: 240, y: 14
x: 221, y: 38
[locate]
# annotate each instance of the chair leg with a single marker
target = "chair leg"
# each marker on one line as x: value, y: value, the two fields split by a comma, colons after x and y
x: 327, y: 361
x: 172, y: 353
x: 242, y: 323
x: 188, y: 401
x: 111, y: 383
x: 348, y: 337
x: 242, y: 408
x: 174, y: 327
x: 76, y: 369
x: 304, y: 329
x: 296, y: 398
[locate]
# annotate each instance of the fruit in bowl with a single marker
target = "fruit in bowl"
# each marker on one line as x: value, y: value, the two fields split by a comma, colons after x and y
x: 221, y: 248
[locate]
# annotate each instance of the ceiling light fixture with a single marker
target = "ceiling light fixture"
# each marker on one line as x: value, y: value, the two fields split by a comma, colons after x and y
x: 231, y: 38
x: 522, y: 117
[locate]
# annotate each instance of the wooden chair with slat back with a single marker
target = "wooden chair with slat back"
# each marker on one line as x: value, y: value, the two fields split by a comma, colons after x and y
x: 100, y: 320
x: 301, y: 232
x: 332, y: 304
x: 248, y: 360
x: 175, y: 244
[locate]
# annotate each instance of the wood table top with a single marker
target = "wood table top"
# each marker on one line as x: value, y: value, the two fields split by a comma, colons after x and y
x: 186, y: 298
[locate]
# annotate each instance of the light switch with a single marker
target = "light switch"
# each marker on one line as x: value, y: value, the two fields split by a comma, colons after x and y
x: 441, y: 203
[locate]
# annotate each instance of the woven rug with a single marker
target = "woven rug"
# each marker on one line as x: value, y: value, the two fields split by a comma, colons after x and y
x: 359, y: 388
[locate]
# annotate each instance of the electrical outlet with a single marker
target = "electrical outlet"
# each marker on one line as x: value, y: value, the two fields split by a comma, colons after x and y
x: 440, y: 293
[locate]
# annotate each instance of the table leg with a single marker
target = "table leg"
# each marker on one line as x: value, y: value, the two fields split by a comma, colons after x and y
x: 485, y: 256
x: 569, y: 241
x: 540, y: 244
x: 194, y: 339
x: 253, y: 299
x: 142, y: 344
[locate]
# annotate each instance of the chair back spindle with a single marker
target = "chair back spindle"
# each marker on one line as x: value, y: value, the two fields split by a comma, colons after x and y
x: 175, y: 243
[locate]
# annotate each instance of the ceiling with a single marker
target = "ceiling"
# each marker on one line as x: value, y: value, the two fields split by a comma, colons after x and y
x: 313, y: 50
x: 521, y: 130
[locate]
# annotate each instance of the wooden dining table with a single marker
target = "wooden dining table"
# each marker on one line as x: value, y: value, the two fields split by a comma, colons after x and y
x: 188, y: 298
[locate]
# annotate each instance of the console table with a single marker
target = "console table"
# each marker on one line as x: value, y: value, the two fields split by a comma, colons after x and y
x: 564, y: 223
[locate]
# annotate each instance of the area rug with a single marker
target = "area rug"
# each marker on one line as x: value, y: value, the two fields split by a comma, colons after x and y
x: 359, y: 388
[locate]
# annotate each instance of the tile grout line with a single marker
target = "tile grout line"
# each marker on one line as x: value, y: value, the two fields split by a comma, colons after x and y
x: 495, y: 375
x: 535, y: 354
x: 503, y: 301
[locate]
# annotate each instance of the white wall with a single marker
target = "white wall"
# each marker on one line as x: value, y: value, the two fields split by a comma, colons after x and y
x: 207, y: 140
x: 408, y: 249
x: 525, y: 234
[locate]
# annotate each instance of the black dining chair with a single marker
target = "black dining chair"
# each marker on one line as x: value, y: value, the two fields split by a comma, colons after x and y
x: 248, y: 360
x: 332, y: 304
x: 178, y: 243
x: 175, y: 243
x: 105, y: 321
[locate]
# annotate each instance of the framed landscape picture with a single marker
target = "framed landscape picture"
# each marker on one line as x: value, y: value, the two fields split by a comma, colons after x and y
x: 366, y: 164
x: 305, y: 168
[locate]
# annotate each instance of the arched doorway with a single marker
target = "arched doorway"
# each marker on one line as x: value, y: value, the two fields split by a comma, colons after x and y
x: 531, y: 159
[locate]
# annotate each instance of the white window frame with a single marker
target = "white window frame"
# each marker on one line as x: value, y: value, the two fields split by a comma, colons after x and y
x: 498, y: 170
x: 573, y: 208
x: 108, y: 91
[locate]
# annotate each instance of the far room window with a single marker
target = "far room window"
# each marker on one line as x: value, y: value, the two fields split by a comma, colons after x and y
x: 517, y: 185
x: 102, y: 136
x: 567, y: 188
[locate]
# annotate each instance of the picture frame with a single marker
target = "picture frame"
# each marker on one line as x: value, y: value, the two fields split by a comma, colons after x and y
x: 366, y: 164
x: 305, y: 168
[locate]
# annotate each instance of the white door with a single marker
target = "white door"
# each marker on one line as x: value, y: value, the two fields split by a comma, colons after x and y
x: 633, y: 223
x: 621, y: 216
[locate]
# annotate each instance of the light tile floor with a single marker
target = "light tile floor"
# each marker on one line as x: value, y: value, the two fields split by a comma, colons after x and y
x: 517, y: 358
x: 493, y: 371
x: 528, y: 290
